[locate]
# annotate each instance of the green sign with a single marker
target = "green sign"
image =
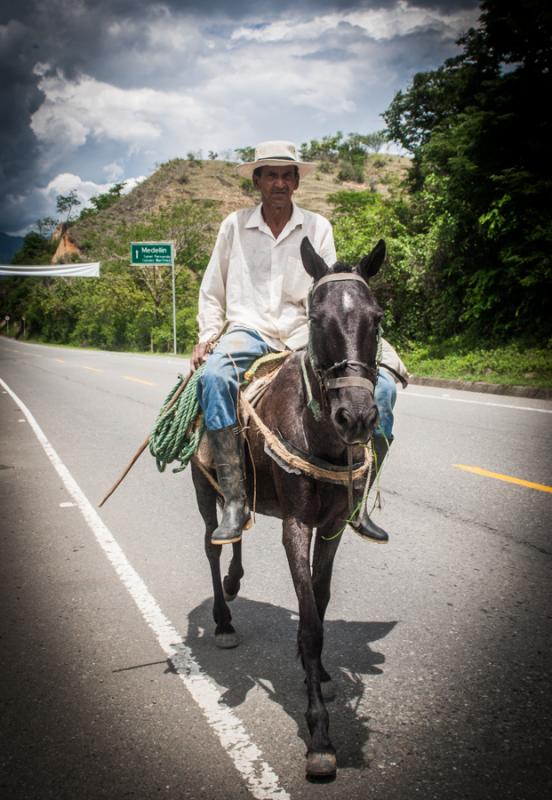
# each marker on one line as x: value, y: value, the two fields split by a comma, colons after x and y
x: 151, y: 254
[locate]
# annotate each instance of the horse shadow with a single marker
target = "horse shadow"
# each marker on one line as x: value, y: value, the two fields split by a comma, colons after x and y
x: 267, y: 658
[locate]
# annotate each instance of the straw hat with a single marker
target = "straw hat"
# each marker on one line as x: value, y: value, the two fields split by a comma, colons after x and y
x: 274, y: 154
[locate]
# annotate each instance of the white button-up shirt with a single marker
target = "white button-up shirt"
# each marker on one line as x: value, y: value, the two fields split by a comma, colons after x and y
x: 258, y: 281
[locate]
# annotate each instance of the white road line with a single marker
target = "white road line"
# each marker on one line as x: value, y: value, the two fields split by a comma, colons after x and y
x: 260, y: 778
x: 408, y: 393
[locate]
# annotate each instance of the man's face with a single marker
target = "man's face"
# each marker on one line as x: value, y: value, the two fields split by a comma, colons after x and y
x: 277, y: 184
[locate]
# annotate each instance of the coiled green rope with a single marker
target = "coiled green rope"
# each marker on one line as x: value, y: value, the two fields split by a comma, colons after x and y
x: 172, y: 437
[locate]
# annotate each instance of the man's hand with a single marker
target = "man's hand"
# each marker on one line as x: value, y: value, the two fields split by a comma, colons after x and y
x: 199, y: 354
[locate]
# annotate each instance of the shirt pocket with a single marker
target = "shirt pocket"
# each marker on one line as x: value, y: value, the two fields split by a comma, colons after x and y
x: 296, y: 281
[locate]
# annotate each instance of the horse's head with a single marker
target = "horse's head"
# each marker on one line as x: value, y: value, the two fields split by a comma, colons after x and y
x: 344, y: 320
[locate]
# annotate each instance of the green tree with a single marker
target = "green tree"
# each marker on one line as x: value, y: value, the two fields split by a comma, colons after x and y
x: 245, y: 153
x: 67, y: 203
x: 36, y: 249
x: 360, y: 219
x: 478, y: 164
x: 100, y: 202
x: 127, y: 307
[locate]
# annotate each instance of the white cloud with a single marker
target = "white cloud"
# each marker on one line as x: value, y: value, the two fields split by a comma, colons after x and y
x: 66, y: 182
x: 74, y: 110
x: 131, y: 183
x: 278, y: 81
x: 378, y: 24
x: 113, y: 171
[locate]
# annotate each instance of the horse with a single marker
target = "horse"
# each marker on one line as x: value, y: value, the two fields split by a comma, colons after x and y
x: 320, y: 404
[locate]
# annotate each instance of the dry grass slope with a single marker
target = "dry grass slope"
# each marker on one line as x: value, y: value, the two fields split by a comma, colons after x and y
x: 217, y: 182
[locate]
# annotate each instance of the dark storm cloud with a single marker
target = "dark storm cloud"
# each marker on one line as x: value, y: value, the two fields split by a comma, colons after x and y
x: 236, y: 10
x: 110, y: 41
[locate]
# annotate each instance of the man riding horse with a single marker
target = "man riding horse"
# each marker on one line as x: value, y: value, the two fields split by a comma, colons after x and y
x: 255, y: 282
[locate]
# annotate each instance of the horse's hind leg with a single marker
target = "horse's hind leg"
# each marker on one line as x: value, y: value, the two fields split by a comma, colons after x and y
x: 321, y: 753
x: 225, y: 635
x: 231, y: 582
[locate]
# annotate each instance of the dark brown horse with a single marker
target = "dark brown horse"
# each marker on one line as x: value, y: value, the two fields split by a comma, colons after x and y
x: 321, y: 404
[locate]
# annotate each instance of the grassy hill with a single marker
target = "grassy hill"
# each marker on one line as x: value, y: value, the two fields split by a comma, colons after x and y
x: 216, y: 187
x: 184, y: 201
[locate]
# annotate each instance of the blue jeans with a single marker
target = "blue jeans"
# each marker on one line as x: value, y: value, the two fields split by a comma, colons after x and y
x: 385, y: 397
x: 217, y: 390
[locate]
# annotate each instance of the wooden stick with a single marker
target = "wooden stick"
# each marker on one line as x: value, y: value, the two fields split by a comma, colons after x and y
x: 133, y: 461
x: 145, y: 443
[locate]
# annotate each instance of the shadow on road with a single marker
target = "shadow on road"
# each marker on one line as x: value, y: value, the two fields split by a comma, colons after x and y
x: 266, y: 658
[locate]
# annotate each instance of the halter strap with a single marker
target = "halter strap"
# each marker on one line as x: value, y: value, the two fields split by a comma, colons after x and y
x: 338, y: 276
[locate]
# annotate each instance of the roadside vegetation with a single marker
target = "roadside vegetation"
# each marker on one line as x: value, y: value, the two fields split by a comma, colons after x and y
x: 504, y: 365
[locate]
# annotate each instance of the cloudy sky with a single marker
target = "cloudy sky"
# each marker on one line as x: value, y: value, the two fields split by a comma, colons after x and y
x: 97, y: 91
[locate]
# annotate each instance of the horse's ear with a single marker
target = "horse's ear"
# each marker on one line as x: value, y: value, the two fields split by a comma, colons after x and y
x: 371, y: 263
x: 313, y: 263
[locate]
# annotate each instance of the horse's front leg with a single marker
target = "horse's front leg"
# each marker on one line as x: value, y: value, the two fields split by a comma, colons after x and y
x: 325, y: 548
x: 225, y: 635
x: 231, y: 582
x: 321, y: 753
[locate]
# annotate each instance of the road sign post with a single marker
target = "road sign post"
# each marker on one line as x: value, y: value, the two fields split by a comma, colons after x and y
x: 156, y: 254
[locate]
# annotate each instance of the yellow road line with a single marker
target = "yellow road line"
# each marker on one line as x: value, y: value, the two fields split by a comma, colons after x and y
x: 93, y: 369
x: 541, y: 487
x: 138, y: 380
x: 59, y: 360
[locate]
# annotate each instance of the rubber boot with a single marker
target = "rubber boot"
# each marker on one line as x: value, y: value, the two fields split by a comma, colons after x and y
x: 363, y: 525
x: 227, y: 451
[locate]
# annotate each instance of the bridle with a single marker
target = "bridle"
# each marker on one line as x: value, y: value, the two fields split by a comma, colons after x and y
x: 323, y: 376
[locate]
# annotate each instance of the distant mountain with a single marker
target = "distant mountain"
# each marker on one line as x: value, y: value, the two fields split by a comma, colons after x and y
x: 8, y: 246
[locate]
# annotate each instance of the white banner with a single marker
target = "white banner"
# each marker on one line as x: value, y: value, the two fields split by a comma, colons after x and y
x: 52, y: 270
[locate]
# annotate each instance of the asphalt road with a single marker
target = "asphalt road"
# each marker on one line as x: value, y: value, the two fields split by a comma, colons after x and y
x: 110, y: 683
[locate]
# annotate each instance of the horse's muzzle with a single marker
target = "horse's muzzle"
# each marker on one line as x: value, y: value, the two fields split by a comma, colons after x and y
x: 353, y: 424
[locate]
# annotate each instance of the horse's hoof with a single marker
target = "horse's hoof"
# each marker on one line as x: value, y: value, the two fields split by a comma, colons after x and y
x: 227, y: 640
x: 328, y: 690
x: 321, y: 765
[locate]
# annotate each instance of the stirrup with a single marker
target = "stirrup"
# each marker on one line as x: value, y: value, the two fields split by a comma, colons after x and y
x: 231, y: 536
x: 369, y: 531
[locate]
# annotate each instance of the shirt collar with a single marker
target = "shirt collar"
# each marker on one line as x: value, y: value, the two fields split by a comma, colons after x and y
x: 256, y: 220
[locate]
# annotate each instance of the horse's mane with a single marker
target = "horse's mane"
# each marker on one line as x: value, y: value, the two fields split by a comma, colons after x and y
x: 341, y: 266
